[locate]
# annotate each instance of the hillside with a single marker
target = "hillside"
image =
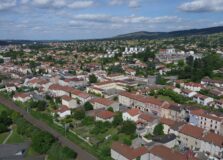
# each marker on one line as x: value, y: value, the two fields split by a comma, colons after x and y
x: 157, y: 35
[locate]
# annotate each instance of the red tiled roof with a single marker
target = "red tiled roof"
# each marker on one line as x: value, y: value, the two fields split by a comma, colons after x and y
x: 105, y: 114
x: 169, y: 154
x: 62, y: 109
x: 214, y: 138
x: 66, y: 98
x: 168, y: 122
x: 128, y: 152
x: 142, y: 99
x: 192, y: 84
x: 192, y: 131
x: 22, y: 95
x: 134, y: 112
x: 146, y: 117
x: 103, y: 101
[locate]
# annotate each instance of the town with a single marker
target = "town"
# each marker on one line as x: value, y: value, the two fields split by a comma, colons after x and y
x: 125, y: 99
x: 111, y: 80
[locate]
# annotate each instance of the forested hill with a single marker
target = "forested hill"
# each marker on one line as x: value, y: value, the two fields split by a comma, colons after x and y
x: 158, y: 35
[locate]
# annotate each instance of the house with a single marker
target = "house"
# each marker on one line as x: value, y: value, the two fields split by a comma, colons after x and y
x: 191, y: 136
x: 175, y: 112
x: 121, y: 151
x: 147, y: 121
x: 212, y: 144
x: 63, y: 111
x: 207, y: 81
x: 202, y: 99
x: 59, y: 91
x: 160, y: 152
x: 207, y: 121
x: 171, y: 126
x: 218, y: 103
x: 10, y: 87
x: 81, y: 96
x: 132, y: 115
x: 196, y: 87
x: 105, y: 116
x: 69, y: 102
x: 188, y: 93
x: 22, y: 97
x: 104, y: 103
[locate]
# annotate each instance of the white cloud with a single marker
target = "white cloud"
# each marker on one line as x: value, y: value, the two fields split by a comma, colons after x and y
x: 202, y: 6
x: 81, y: 4
x: 6, y: 4
x: 130, y: 3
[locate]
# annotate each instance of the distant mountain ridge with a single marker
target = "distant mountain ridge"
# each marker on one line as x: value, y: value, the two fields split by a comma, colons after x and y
x: 158, y: 35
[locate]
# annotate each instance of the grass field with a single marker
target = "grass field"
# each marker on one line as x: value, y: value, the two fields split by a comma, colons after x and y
x: 3, y: 136
x: 165, y: 98
x: 16, y: 138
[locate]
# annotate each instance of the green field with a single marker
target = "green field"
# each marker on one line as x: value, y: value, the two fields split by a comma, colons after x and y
x: 3, y: 136
x: 16, y: 138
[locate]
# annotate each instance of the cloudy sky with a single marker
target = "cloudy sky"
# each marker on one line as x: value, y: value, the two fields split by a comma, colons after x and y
x: 84, y: 19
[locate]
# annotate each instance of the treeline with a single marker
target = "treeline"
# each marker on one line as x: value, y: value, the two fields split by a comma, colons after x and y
x: 199, y: 68
x: 42, y: 142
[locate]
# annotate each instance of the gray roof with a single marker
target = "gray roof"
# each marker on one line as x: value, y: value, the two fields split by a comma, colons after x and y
x: 9, y: 151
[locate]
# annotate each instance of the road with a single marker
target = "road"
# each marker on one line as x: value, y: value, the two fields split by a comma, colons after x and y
x: 82, y: 154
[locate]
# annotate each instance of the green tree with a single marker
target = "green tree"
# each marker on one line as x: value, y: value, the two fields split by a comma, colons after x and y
x: 79, y: 114
x: 93, y: 78
x: 110, y: 109
x: 42, y: 141
x: 158, y: 130
x: 128, y: 127
x: 117, y: 119
x: 88, y: 106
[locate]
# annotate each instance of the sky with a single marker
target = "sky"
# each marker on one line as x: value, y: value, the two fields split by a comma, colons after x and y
x: 89, y: 19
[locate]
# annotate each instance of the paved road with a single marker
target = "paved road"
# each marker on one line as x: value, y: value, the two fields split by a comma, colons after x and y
x: 82, y: 154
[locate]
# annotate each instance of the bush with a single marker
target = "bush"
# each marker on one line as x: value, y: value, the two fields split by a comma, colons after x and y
x: 42, y: 141
x: 158, y: 130
x: 128, y: 127
x: 79, y: 114
x: 57, y: 152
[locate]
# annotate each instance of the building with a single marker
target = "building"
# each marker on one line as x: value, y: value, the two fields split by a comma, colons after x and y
x: 132, y: 115
x: 22, y: 97
x: 69, y: 102
x: 121, y: 151
x: 191, y: 136
x: 104, y: 103
x: 63, y: 111
x: 202, y: 99
x: 160, y: 152
x: 145, y: 104
x: 209, y: 122
x: 105, y: 116
x: 196, y: 87
x: 212, y: 144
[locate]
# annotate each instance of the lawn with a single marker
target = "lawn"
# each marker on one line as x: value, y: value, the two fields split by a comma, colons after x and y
x: 16, y: 138
x: 2, y: 108
x: 165, y: 98
x: 3, y: 136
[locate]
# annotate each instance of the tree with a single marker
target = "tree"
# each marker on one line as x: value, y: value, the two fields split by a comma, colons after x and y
x: 79, y: 114
x: 93, y: 78
x: 110, y: 109
x: 160, y: 80
x: 42, y: 141
x: 117, y: 119
x: 128, y: 127
x: 3, y: 128
x: 88, y: 106
x: 158, y: 130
